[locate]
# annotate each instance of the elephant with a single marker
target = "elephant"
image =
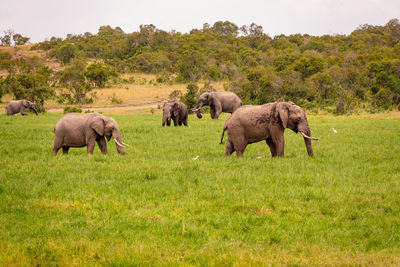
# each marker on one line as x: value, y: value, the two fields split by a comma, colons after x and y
x: 251, y: 124
x: 16, y: 106
x: 218, y: 102
x: 176, y: 111
x: 79, y: 130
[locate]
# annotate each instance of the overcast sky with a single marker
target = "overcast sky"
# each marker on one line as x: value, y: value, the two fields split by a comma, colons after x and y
x: 42, y: 19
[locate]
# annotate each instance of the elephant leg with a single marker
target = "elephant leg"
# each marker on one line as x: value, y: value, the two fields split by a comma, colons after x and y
x: 212, y: 112
x: 279, y: 143
x: 23, y: 112
x: 103, y: 145
x: 65, y: 150
x: 175, y: 122
x: 240, y: 145
x: 271, y: 147
x: 90, y: 147
x: 185, y: 122
x: 217, y: 113
x: 229, y: 148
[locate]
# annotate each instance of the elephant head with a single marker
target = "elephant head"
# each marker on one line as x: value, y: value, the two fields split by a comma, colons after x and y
x: 293, y: 117
x: 108, y: 127
x: 30, y: 105
x: 204, y: 99
x: 169, y: 109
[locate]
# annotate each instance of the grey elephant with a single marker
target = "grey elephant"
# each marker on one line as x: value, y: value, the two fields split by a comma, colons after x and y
x: 79, y: 130
x: 176, y: 111
x: 250, y: 124
x: 219, y: 102
x: 17, y: 106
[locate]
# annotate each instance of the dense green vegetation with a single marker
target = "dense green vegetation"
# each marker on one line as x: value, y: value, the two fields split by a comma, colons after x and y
x: 158, y: 206
x: 339, y: 70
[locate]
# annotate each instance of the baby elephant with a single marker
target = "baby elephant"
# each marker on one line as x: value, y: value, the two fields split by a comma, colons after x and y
x: 176, y: 111
x: 79, y: 130
x: 17, y: 106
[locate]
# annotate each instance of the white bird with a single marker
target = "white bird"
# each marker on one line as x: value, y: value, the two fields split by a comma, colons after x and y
x: 195, y: 158
x: 333, y: 129
x: 259, y: 157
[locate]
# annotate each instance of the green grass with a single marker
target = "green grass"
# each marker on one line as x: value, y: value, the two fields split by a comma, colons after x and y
x: 158, y: 206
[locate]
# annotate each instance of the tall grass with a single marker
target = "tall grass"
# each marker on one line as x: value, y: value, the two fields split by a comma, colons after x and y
x: 158, y: 205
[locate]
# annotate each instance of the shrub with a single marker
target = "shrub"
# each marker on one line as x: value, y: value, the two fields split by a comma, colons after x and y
x: 382, y: 99
x: 115, y: 100
x: 176, y: 94
x: 72, y: 109
x: 189, y: 98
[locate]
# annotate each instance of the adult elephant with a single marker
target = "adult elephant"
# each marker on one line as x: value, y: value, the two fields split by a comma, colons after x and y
x: 218, y: 102
x: 176, y: 111
x: 19, y: 106
x: 250, y: 124
x: 79, y: 130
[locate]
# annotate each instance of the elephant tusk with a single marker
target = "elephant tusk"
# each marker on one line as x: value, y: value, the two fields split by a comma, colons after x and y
x: 308, y: 137
x: 195, y: 109
x: 117, y: 142
x: 124, y: 144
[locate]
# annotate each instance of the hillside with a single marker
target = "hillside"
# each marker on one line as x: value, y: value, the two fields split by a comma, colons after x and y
x: 340, y: 73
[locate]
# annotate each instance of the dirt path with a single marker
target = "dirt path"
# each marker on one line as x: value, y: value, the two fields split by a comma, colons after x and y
x: 120, y: 108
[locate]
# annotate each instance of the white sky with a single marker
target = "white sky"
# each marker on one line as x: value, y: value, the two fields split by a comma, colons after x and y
x: 42, y: 19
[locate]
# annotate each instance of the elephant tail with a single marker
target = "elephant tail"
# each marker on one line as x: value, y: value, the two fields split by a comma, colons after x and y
x: 223, y: 132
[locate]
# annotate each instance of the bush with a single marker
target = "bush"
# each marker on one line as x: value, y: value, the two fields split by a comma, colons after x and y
x: 115, y: 100
x: 176, y: 94
x: 382, y: 99
x: 189, y: 98
x: 99, y: 74
x: 346, y: 103
x: 72, y: 109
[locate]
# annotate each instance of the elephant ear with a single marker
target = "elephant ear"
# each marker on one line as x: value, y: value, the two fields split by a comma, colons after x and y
x: 283, y: 113
x: 25, y: 103
x: 97, y: 124
x: 211, y: 99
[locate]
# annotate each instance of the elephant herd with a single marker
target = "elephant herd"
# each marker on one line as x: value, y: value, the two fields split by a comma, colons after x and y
x: 247, y: 124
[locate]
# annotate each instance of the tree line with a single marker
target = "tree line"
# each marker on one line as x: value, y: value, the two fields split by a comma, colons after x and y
x: 343, y: 71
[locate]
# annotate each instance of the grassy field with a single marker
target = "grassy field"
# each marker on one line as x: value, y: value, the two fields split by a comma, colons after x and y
x: 158, y: 206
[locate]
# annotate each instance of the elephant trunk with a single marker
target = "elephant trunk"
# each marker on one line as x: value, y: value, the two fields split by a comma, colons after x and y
x: 198, y: 114
x: 166, y: 120
x: 34, y: 109
x: 197, y: 110
x: 118, y: 141
x: 308, y: 146
x: 307, y: 140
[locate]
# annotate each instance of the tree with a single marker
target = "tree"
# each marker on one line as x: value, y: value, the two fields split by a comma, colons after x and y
x: 76, y: 85
x: 225, y: 27
x: 65, y: 53
x: 6, y: 39
x: 191, y: 66
x: 99, y: 74
x: 255, y: 30
x: 309, y: 66
x: 189, y: 98
x: 19, y: 39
